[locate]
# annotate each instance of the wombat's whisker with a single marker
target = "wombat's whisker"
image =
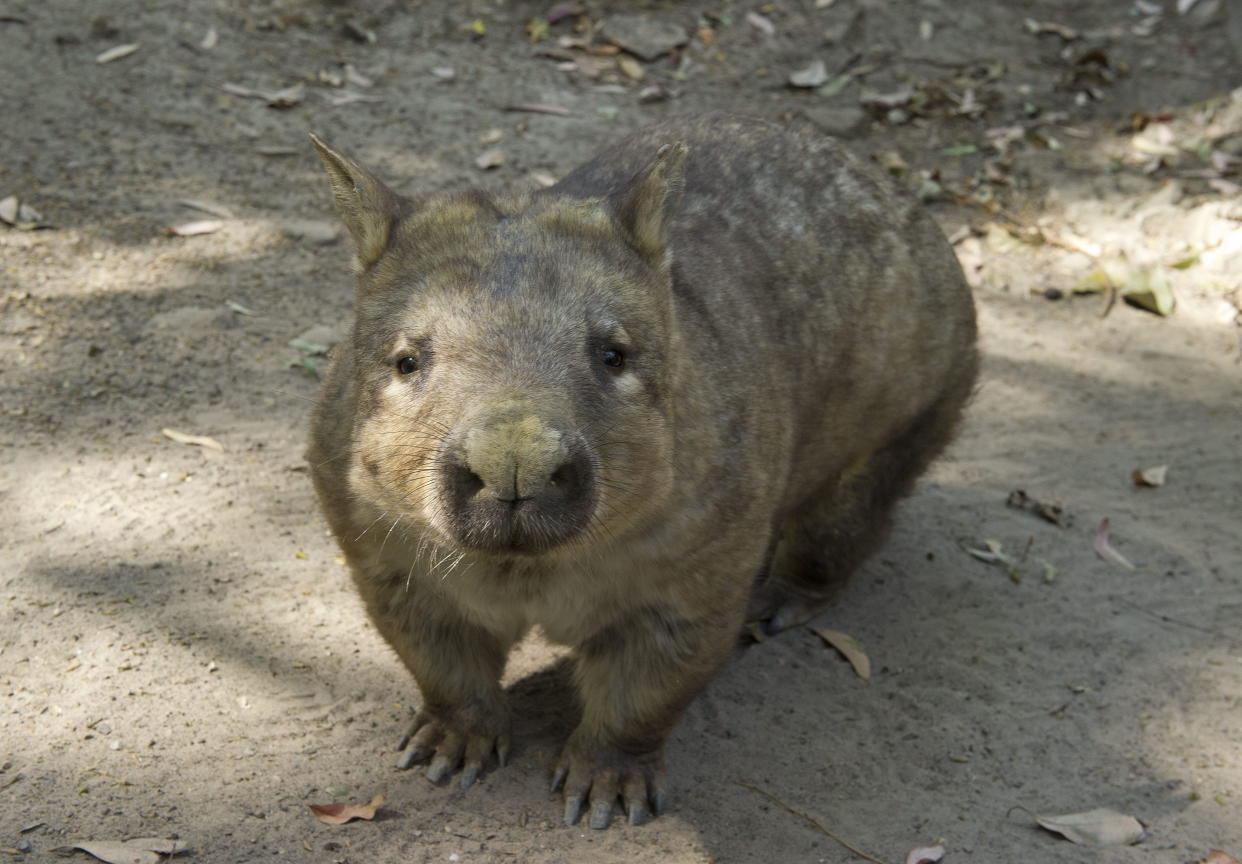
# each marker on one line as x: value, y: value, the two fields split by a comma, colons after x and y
x: 369, y: 527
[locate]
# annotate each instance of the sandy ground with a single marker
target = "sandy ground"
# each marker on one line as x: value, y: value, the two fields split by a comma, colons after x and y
x: 180, y: 652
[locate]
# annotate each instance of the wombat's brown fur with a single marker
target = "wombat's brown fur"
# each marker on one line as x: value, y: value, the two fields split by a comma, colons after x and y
x: 696, y: 372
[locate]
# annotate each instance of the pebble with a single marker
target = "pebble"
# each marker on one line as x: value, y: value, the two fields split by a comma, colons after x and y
x: 644, y: 37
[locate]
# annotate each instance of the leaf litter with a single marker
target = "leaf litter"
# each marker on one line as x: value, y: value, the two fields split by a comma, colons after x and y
x: 194, y: 440
x: 925, y: 855
x: 1105, y: 550
x: 1100, y: 827
x: 339, y: 814
x: 849, y: 648
x: 117, y: 53
x: 1150, y: 476
x: 140, y: 850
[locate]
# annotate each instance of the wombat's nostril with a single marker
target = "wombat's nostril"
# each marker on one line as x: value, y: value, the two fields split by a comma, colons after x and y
x: 566, y: 479
x: 468, y: 483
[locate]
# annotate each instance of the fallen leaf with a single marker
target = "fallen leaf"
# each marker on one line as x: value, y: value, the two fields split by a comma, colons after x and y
x: 760, y: 23
x: 118, y: 52
x: 339, y: 814
x: 926, y: 855
x: 995, y: 554
x: 1069, y: 34
x: 1018, y: 499
x: 239, y: 308
x: 849, y: 649
x: 196, y: 440
x: 1218, y: 857
x: 444, y: 73
x: 210, y: 40
x: 348, y: 97
x: 1105, y: 550
x: 1150, y: 476
x: 479, y: 27
x: 285, y: 98
x: 489, y: 159
x: 141, y: 850
x: 814, y: 75
x: 630, y: 67
x: 1050, y: 570
x: 20, y: 215
x: 1100, y: 827
x: 193, y: 229
x: 1148, y: 288
x: 353, y: 76
x: 562, y: 10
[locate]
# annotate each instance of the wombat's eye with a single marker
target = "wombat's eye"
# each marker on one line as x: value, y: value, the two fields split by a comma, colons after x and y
x: 407, y: 365
x: 613, y: 358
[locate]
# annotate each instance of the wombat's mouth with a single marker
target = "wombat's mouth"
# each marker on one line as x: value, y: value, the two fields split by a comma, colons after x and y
x: 526, y: 526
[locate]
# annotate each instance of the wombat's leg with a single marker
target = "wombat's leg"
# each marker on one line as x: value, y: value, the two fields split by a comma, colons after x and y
x: 837, y: 529
x: 457, y: 666
x: 635, y: 678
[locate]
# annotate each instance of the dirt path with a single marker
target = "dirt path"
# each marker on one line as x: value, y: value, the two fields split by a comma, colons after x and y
x: 180, y: 653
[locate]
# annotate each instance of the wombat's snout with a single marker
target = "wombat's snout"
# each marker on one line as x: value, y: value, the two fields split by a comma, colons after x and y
x: 516, y: 485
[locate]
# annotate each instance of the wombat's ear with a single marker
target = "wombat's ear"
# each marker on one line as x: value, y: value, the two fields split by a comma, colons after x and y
x: 367, y: 207
x: 645, y: 206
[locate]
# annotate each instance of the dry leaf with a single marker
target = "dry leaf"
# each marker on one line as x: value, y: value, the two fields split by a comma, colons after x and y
x: 286, y: 98
x: 141, y: 850
x: 814, y: 75
x: 926, y: 855
x: 118, y: 52
x: 630, y: 67
x: 19, y: 214
x: 489, y: 159
x: 348, y: 97
x: 193, y: 229
x: 850, y: 649
x: 1150, y: 476
x: 196, y: 440
x: 1105, y: 550
x: 210, y: 39
x: 761, y: 23
x: 1218, y: 857
x: 1095, y: 827
x: 339, y: 814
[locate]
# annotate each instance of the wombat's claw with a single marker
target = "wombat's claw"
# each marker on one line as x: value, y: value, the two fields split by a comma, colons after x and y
x: 429, y: 738
x: 636, y: 780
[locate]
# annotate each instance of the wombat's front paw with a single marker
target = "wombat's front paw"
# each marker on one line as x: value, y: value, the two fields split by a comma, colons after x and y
x: 449, y: 744
x: 606, y: 773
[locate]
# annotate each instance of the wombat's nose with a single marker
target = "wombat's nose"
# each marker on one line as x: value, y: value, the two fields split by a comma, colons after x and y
x: 466, y: 484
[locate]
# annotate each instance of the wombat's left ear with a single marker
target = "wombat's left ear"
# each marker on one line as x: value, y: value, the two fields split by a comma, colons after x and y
x: 645, y: 206
x: 367, y: 207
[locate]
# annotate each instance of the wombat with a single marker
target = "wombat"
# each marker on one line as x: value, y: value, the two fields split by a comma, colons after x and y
x: 689, y: 380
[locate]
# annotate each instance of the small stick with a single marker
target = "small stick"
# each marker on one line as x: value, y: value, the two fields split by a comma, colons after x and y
x: 813, y: 821
x: 541, y: 109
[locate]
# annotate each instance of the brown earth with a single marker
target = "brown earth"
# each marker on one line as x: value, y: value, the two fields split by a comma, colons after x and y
x: 180, y: 652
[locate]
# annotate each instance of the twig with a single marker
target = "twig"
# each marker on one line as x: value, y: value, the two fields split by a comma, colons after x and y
x: 812, y: 820
x: 1168, y: 619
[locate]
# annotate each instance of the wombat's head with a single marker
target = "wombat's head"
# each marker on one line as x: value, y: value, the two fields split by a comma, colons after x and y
x: 511, y: 358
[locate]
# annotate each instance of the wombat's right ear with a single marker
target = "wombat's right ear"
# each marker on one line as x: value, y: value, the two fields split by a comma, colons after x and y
x: 645, y: 206
x: 367, y: 207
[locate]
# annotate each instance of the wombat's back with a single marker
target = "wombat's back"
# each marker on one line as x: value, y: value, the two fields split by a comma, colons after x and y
x: 818, y: 294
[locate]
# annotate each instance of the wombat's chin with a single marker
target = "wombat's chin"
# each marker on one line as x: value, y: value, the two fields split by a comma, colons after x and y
x: 524, y: 528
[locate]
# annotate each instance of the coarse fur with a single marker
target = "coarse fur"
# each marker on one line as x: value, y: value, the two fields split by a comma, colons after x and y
x: 691, y: 378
